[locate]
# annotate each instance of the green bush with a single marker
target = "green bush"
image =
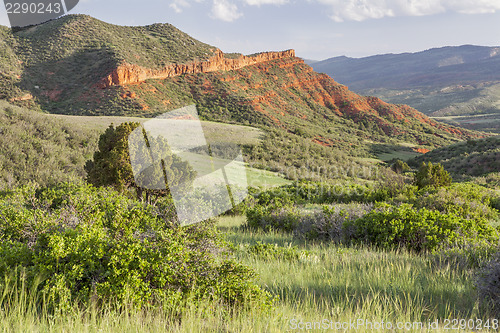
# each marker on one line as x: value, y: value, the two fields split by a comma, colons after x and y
x: 433, y: 175
x: 400, y: 167
x: 420, y: 230
x: 322, y: 223
x: 302, y: 192
x: 488, y: 285
x: 463, y: 199
x: 273, y: 217
x: 96, y: 244
x: 111, y: 164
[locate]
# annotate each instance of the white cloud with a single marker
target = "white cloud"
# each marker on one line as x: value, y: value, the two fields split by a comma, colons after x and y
x: 359, y: 10
x: 179, y: 5
x: 225, y: 11
x: 265, y: 2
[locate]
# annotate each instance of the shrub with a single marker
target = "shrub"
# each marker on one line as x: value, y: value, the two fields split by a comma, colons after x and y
x: 488, y: 285
x: 328, y: 224
x: 400, y: 167
x: 418, y: 230
x: 87, y: 243
x: 467, y: 200
x: 111, y: 164
x: 432, y: 175
x: 273, y: 217
x: 324, y: 223
x: 302, y: 192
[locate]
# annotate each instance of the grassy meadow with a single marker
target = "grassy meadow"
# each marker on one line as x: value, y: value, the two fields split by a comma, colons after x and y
x: 310, y: 282
x: 322, y: 253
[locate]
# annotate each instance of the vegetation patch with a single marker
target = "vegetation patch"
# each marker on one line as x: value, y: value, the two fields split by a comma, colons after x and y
x: 77, y: 244
x: 36, y: 148
x: 468, y: 159
x: 419, y: 230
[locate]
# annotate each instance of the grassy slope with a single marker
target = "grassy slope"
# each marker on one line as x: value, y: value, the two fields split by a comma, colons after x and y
x: 244, y: 136
x: 52, y: 148
x: 471, y: 158
x: 34, y: 147
x: 238, y: 134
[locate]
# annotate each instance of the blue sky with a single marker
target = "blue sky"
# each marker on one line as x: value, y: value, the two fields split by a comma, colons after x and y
x: 316, y: 29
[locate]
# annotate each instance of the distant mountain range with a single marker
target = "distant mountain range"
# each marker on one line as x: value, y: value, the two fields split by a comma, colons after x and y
x: 447, y: 81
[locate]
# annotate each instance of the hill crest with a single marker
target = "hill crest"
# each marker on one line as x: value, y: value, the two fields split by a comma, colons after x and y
x: 127, y: 73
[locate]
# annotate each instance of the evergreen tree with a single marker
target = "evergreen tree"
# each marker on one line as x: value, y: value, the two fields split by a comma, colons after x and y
x: 432, y: 175
x: 112, y: 166
x: 400, y: 167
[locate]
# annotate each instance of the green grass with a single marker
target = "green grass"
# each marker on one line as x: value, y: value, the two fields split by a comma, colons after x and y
x: 326, y: 281
x: 341, y: 283
x: 237, y: 134
x: 402, y: 155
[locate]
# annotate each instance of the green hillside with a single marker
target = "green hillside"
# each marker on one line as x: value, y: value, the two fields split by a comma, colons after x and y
x: 47, y: 149
x: 40, y: 149
x: 315, y: 128
x: 465, y: 159
x: 63, y: 58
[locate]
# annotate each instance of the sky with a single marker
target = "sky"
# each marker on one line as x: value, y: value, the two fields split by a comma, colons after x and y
x: 316, y: 29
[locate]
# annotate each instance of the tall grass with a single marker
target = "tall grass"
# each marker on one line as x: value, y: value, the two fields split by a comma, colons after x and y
x: 326, y: 281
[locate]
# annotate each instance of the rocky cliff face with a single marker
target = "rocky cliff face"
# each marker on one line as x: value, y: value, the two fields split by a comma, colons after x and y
x: 131, y: 74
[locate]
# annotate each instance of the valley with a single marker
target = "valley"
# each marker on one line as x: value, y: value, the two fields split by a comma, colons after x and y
x: 440, y: 82
x: 356, y: 207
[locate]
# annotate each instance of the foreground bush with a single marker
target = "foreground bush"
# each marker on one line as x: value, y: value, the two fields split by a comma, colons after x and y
x: 420, y: 230
x: 463, y: 199
x: 86, y: 243
x: 324, y: 222
x: 328, y: 224
x: 488, y: 284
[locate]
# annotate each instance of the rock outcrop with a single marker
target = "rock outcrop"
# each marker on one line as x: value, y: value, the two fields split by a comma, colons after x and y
x: 131, y: 74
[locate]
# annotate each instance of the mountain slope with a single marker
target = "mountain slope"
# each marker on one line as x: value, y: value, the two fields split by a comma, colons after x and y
x: 81, y: 66
x: 63, y: 58
x: 471, y: 158
x: 448, y: 81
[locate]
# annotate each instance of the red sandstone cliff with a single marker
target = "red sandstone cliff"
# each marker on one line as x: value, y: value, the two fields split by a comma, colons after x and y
x: 130, y: 73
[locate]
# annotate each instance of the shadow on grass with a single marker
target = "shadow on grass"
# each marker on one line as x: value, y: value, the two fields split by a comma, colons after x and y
x: 422, y: 305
